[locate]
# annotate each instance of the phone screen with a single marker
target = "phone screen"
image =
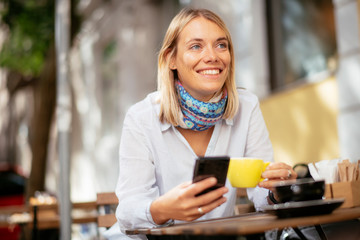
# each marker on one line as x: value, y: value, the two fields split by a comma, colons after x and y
x: 211, y: 167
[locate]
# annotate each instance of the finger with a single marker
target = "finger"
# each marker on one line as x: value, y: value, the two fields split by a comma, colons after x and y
x: 282, y: 174
x: 185, y: 184
x: 200, y: 186
x: 215, y: 204
x: 210, y: 197
x: 272, y: 182
x: 278, y: 165
x: 269, y: 184
x: 291, y: 174
x: 199, y: 211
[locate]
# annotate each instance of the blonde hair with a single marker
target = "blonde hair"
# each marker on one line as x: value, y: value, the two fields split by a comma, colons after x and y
x: 169, y: 100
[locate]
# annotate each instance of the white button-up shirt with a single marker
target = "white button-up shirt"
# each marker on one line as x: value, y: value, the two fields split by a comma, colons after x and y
x: 155, y: 157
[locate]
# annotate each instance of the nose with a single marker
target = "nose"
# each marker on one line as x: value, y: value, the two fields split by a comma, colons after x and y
x: 210, y: 55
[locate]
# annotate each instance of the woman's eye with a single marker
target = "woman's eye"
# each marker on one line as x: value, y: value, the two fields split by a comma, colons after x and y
x: 195, y: 47
x: 222, y: 45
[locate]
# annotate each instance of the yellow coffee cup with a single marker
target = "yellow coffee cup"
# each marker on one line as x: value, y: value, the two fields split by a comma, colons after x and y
x: 246, y: 172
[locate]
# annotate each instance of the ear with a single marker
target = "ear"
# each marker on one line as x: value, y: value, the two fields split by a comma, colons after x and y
x: 171, y: 61
x: 172, y: 66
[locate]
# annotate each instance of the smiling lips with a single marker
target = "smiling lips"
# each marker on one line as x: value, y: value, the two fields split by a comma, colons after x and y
x: 210, y: 71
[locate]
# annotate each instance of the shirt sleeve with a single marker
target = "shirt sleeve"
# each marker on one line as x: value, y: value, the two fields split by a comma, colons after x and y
x: 258, y: 144
x: 136, y: 188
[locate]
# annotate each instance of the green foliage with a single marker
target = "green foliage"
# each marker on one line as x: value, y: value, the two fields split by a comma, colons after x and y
x: 31, y: 24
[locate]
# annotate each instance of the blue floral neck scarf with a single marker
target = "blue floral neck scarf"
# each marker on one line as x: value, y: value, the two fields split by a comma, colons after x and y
x: 198, y: 115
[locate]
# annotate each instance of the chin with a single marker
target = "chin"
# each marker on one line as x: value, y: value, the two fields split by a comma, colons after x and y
x: 213, y: 88
x: 210, y: 92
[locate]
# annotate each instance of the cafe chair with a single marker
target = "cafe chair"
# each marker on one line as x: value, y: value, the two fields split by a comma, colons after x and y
x: 44, y: 212
x: 106, y: 203
x: 243, y: 204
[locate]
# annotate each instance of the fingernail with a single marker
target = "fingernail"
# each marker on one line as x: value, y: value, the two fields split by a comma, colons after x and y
x: 213, y: 180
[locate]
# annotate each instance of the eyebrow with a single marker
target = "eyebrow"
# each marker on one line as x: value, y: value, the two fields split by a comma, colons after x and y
x: 201, y: 40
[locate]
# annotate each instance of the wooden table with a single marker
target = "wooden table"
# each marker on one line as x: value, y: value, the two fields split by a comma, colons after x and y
x: 252, y: 223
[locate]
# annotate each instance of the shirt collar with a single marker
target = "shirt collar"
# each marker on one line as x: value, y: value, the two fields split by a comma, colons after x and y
x: 164, y: 126
x: 229, y: 121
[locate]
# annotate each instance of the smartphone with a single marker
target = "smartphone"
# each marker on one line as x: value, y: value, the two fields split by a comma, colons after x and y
x: 211, y: 167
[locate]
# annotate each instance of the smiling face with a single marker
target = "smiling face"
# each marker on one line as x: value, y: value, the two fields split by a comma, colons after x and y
x: 202, y: 60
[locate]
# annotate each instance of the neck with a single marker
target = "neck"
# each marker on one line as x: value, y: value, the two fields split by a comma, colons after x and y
x: 198, y: 115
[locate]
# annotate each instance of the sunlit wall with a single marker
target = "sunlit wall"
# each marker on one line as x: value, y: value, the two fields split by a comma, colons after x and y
x: 302, y: 122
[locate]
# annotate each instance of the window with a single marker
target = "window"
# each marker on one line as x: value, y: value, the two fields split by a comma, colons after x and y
x: 302, y: 42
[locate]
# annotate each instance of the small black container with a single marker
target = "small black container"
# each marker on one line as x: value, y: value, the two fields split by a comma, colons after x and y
x: 300, y: 190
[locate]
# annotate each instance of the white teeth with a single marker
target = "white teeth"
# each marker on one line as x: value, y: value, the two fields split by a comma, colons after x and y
x: 210, y: 72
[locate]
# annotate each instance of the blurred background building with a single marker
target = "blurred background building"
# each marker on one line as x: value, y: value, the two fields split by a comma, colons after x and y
x: 300, y: 57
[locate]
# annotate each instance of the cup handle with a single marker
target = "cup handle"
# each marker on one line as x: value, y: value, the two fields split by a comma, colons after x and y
x: 264, y: 167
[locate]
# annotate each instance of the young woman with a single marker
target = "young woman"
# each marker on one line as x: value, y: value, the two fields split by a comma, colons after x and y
x: 197, y: 111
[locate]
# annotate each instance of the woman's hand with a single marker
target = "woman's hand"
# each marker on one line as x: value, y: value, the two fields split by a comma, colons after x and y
x: 181, y: 202
x: 276, y: 172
